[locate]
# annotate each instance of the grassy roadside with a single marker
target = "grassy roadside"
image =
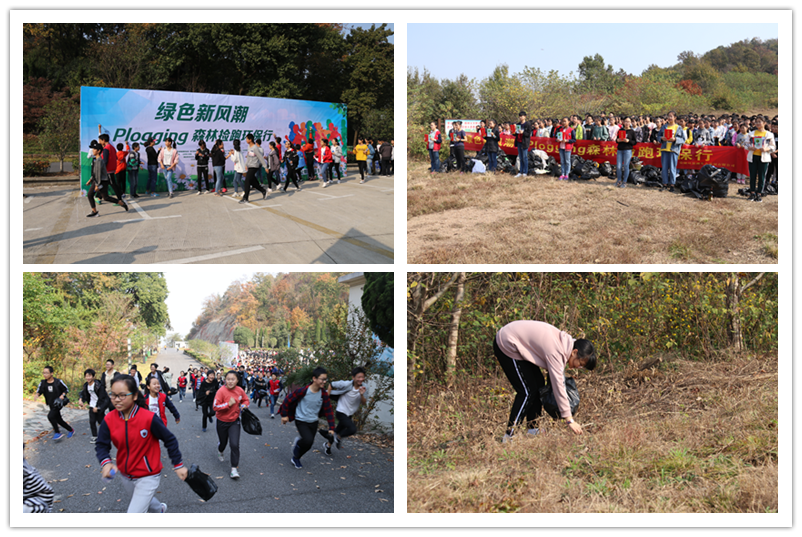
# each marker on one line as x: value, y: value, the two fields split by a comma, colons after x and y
x: 685, y: 437
x: 484, y: 218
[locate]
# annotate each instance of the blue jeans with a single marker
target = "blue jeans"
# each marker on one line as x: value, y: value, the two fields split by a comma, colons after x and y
x: 669, y: 161
x: 238, y: 182
x: 153, y: 176
x: 168, y: 177
x: 622, y: 165
x: 565, y: 162
x: 523, y: 159
x: 434, y: 158
x: 324, y: 171
x: 273, y: 403
x: 181, y: 393
x: 492, y: 161
x: 218, y: 177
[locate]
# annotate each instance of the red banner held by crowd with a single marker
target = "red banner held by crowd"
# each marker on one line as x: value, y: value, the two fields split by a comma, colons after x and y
x: 691, y: 157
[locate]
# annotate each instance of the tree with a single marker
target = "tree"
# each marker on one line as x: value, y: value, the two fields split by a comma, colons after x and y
x: 734, y: 292
x: 377, y: 303
x: 59, y: 128
x: 453, y: 331
x: 243, y: 336
x: 598, y: 77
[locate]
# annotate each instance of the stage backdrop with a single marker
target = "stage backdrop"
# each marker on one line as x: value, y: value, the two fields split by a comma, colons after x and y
x: 129, y: 115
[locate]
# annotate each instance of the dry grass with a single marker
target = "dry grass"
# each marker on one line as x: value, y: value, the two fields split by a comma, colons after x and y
x: 687, y: 437
x: 476, y: 218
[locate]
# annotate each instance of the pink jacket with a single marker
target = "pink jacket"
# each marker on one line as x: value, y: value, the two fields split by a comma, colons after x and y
x: 174, y: 160
x: 545, y: 346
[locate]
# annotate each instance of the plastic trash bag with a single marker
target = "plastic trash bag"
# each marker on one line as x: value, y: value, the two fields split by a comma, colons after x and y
x: 550, y: 403
x: 201, y: 484
x: 250, y: 423
x: 714, y: 180
x: 478, y: 166
x: 606, y: 169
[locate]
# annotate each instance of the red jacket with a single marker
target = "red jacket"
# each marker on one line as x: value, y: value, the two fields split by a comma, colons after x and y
x: 121, y: 156
x: 325, y: 154
x: 137, y: 442
x: 274, y: 386
x: 569, y: 137
x: 111, y: 165
x: 165, y: 403
x: 438, y: 140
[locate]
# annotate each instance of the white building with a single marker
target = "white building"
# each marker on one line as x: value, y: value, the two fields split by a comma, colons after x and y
x: 356, y: 283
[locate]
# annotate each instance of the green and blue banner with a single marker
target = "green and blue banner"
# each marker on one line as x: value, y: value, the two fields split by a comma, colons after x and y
x: 130, y: 115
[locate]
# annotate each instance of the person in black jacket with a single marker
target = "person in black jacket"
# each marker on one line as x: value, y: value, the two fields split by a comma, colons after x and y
x: 491, y: 145
x: 94, y: 394
x: 202, y: 156
x: 206, y: 392
x: 626, y: 141
x: 153, y: 167
x: 291, y: 160
x: 259, y: 389
x: 154, y: 372
x: 55, y: 392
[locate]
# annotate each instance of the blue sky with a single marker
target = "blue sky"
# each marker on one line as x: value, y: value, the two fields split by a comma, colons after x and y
x: 632, y: 47
x: 369, y: 24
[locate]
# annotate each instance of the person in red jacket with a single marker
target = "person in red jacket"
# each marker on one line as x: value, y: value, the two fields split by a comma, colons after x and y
x: 109, y: 155
x: 273, y: 389
x: 566, y: 136
x: 324, y: 158
x: 122, y: 156
x: 228, y: 403
x: 158, y: 401
x: 136, y: 432
x: 308, y: 150
x: 304, y: 406
x: 182, y: 386
x: 434, y: 141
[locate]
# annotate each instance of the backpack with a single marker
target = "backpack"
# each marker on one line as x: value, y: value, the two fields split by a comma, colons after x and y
x: 133, y: 160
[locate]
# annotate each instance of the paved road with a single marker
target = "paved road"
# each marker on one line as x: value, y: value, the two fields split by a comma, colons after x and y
x: 345, y: 223
x: 357, y: 478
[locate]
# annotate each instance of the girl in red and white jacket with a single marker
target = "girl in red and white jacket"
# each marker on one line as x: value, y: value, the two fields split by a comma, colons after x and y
x: 566, y: 136
x: 229, y: 401
x: 157, y: 400
x: 136, y: 432
x: 182, y: 386
x: 434, y: 141
x: 325, y: 159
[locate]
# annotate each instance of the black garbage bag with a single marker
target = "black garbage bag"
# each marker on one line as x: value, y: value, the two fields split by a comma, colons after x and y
x: 550, y: 403
x: 606, y: 169
x: 555, y: 169
x: 651, y: 174
x: 201, y: 484
x: 576, y: 164
x: 687, y: 183
x: 250, y: 423
x: 635, y: 164
x: 636, y: 178
x: 467, y: 167
x: 589, y: 171
x: 770, y: 189
x: 713, y: 180
x: 482, y: 156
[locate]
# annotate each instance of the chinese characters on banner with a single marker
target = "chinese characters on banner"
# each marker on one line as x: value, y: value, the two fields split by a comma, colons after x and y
x: 690, y: 157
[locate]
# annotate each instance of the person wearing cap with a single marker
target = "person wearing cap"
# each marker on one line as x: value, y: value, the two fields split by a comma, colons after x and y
x: 168, y: 160
x: 99, y: 181
x: 522, y: 348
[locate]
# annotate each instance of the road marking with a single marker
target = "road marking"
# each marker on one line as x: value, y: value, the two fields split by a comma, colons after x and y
x: 148, y: 218
x: 321, y: 194
x: 34, y: 228
x: 140, y: 210
x: 337, y: 197
x: 252, y: 207
x: 210, y: 256
x: 28, y: 198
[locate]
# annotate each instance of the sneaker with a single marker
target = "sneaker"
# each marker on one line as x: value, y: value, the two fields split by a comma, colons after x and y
x: 671, y: 188
x: 69, y: 434
x: 296, y: 462
x: 272, y: 416
x: 338, y: 441
x: 327, y: 448
x: 163, y: 507
x: 234, y: 473
x: 90, y: 215
x: 758, y: 198
x: 533, y: 432
x: 221, y: 456
x: 170, y: 196
x: 204, y: 429
x: 338, y: 181
x: 242, y: 201
x: 264, y: 196
x: 325, y: 185
x: 154, y: 195
x: 58, y: 436
x: 93, y: 440
x: 296, y: 188
x: 295, y: 447
x: 125, y: 206
x: 362, y: 181
x: 751, y: 197
x: 200, y: 192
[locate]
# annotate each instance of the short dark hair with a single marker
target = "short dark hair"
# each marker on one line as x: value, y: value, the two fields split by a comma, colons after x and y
x: 104, y: 137
x: 249, y: 136
x: 586, y: 353
x: 49, y: 368
x: 154, y: 364
x: 357, y: 370
x: 319, y: 371
x: 258, y: 141
x: 120, y: 147
x: 232, y: 372
x: 90, y: 371
x: 110, y: 360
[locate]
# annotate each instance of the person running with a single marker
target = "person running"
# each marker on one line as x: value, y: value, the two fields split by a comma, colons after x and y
x: 99, y: 182
x: 522, y: 348
x: 37, y: 494
x: 228, y: 404
x: 109, y: 155
x: 202, y: 155
x: 273, y: 164
x: 259, y: 389
x: 135, y: 432
x: 291, y: 161
x: 197, y: 380
x: 119, y: 172
x: 273, y: 388
x: 155, y: 373
x: 253, y: 159
x: 352, y: 394
x: 94, y: 394
x: 134, y: 372
x: 55, y: 393
x: 153, y: 168
x: 133, y: 163
x: 304, y: 406
x: 206, y: 393
x: 323, y: 157
x: 168, y: 160
x: 336, y: 157
x: 106, y: 378
x: 158, y: 401
x: 181, y: 384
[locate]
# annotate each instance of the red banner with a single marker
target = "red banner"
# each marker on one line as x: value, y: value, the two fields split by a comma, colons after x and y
x: 690, y: 157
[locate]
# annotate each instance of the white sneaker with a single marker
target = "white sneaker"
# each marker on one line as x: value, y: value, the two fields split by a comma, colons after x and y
x: 338, y: 181
x: 163, y: 507
x: 221, y: 456
x: 362, y: 181
x: 200, y: 192
x: 325, y: 185
x: 234, y: 473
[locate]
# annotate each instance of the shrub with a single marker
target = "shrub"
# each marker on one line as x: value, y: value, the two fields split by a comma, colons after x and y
x: 34, y: 167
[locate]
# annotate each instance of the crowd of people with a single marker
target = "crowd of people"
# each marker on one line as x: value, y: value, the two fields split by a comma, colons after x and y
x: 253, y: 168
x: 118, y: 402
x: 756, y: 134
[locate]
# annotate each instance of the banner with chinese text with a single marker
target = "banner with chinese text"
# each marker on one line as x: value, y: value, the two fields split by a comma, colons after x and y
x: 129, y: 115
x: 690, y: 157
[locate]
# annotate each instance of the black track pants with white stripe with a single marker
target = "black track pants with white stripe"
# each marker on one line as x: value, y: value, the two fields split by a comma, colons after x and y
x: 527, y: 379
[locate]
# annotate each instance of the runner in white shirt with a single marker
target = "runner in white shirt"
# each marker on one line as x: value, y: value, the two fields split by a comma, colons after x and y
x: 352, y: 394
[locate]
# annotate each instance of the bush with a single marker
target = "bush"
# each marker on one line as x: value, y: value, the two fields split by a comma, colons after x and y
x: 34, y: 167
x: 76, y: 164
